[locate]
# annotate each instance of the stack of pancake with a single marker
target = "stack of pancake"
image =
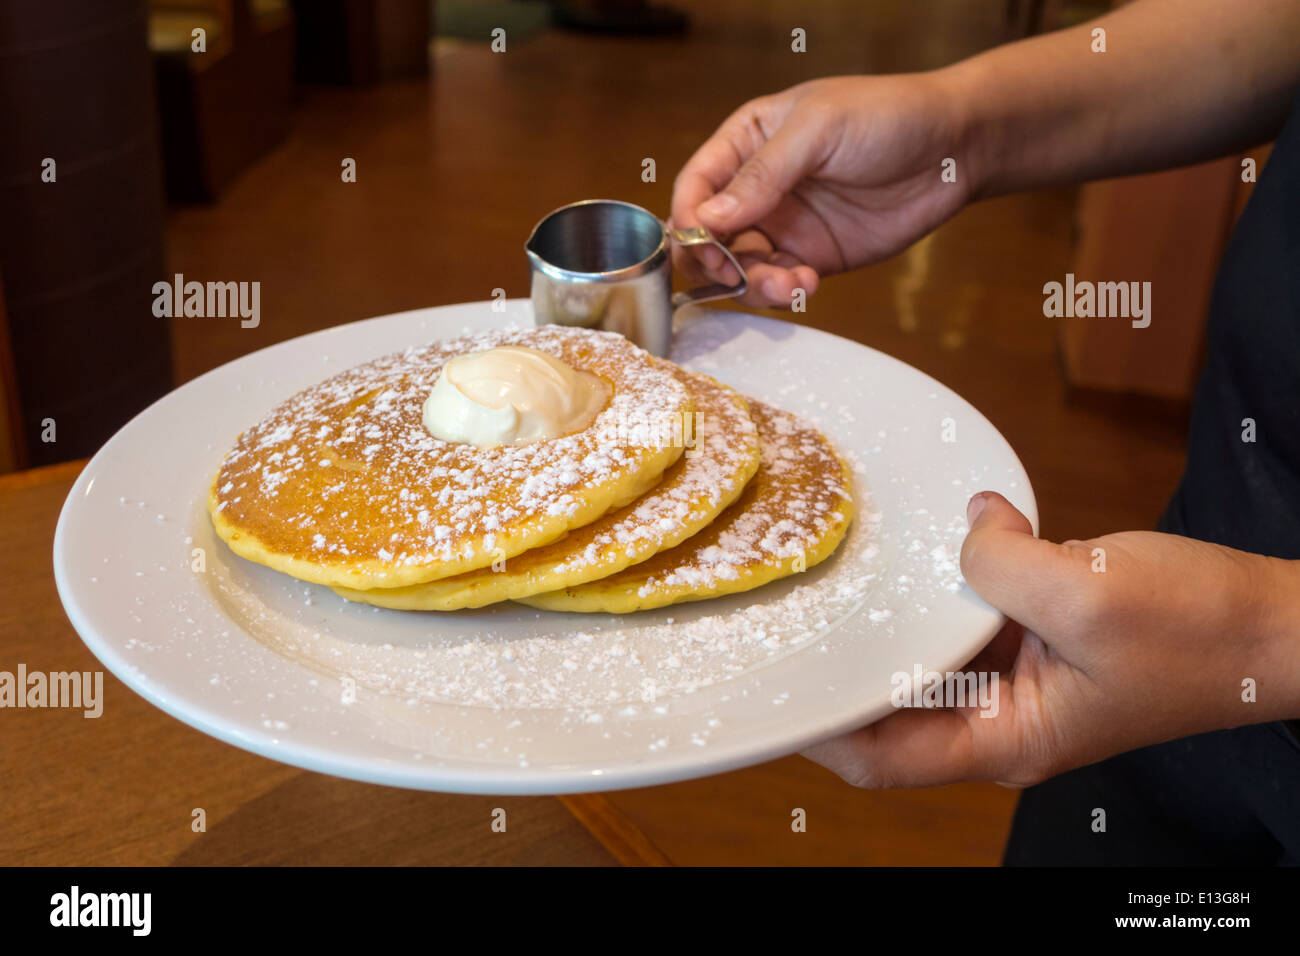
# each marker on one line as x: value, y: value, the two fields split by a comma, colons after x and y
x: 679, y: 490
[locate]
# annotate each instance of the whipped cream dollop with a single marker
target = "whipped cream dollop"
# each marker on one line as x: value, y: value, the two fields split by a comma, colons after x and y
x: 511, y: 395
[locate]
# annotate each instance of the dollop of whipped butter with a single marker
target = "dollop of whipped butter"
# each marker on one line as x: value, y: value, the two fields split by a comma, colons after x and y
x: 511, y: 395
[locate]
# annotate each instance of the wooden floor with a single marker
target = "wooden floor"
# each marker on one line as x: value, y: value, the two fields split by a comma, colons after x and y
x: 451, y: 176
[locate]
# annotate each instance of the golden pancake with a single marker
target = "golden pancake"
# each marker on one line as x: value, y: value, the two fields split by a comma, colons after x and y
x: 707, y: 478
x: 343, y: 485
x: 791, y: 516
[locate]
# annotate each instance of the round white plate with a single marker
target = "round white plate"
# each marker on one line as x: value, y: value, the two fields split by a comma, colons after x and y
x: 508, y: 699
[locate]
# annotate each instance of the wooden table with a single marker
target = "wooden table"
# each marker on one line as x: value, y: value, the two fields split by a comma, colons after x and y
x: 122, y: 789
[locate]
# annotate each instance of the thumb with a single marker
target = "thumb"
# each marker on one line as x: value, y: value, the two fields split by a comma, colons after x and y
x: 1022, y: 576
x: 758, y: 186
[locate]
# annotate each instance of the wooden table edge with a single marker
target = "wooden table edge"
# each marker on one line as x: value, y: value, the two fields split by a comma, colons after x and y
x: 616, y: 832
x: 44, y: 475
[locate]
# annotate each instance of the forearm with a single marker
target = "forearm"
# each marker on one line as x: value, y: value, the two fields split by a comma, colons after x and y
x: 1181, y: 81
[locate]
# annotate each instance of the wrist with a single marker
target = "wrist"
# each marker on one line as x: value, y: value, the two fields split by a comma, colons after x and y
x: 1275, y: 620
x: 963, y: 89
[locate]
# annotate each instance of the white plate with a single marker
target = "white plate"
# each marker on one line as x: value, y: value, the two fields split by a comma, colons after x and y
x: 508, y: 699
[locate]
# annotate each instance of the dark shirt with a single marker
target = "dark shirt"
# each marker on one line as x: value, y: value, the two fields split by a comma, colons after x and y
x: 1246, y: 494
x: 1231, y: 796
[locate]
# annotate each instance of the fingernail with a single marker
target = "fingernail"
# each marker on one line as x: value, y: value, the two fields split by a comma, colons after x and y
x: 711, y: 257
x: 720, y: 206
x: 975, y: 506
x: 771, y: 290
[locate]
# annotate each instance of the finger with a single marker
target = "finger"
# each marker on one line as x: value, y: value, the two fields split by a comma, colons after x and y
x: 999, y: 655
x: 760, y: 184
x: 692, y: 187
x: 1030, y: 580
x: 912, y: 748
x: 771, y: 276
x: 772, y: 282
x: 718, y: 159
x: 690, y: 263
x: 708, y: 170
x: 690, y: 267
x: 761, y: 259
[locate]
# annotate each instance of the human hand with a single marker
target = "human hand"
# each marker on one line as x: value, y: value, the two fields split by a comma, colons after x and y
x: 823, y: 177
x: 1095, y: 663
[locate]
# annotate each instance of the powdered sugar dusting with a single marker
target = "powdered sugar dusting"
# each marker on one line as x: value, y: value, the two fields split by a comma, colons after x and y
x: 787, y: 510
x: 599, y: 669
x: 586, y: 666
x: 721, y: 453
x: 712, y: 472
x: 344, y: 472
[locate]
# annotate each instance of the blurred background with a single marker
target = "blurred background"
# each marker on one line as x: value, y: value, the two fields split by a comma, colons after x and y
x: 208, y: 138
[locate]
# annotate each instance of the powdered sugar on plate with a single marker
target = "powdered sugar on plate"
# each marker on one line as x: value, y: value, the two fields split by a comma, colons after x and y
x: 584, y: 664
x: 594, y: 667
x: 221, y: 643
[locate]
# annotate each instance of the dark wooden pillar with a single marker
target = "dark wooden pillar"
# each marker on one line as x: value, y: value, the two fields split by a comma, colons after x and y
x: 80, y: 254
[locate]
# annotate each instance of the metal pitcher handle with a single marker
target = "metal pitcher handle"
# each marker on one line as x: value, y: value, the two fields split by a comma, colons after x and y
x: 698, y: 236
